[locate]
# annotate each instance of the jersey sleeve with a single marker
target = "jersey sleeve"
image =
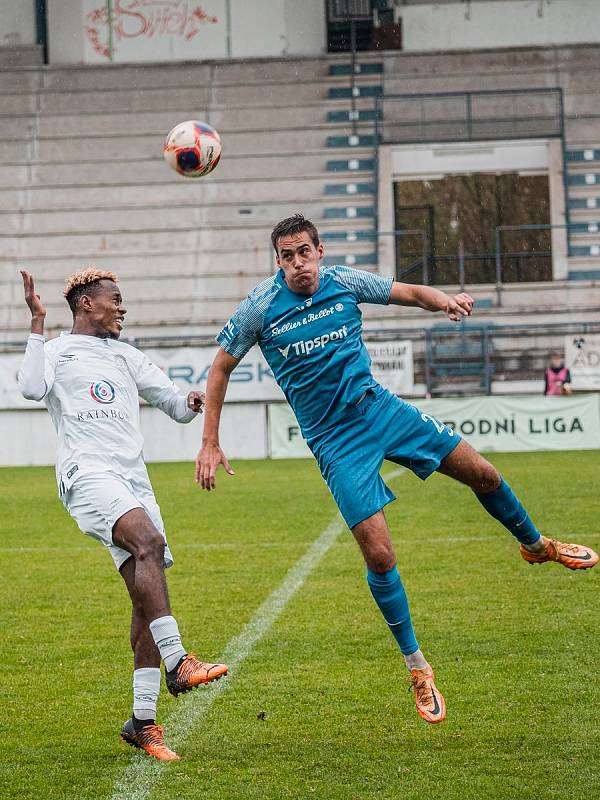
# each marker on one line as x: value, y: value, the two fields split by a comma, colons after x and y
x: 241, y: 332
x: 367, y: 287
x: 36, y: 375
x: 159, y: 391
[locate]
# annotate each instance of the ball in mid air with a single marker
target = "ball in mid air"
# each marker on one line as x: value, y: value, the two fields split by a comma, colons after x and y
x: 192, y: 148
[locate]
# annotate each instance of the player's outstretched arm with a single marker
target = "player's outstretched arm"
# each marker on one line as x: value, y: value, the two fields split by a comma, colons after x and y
x: 35, y: 376
x: 158, y: 390
x: 38, y: 312
x: 455, y: 307
x: 211, y: 455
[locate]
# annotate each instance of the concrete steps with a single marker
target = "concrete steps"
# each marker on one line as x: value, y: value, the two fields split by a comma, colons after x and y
x: 152, y: 217
x: 82, y: 179
x: 21, y: 56
x: 179, y: 192
x: 159, y: 122
x: 203, y: 313
x: 181, y: 93
x: 107, y: 197
x: 142, y: 147
x: 96, y: 245
x: 583, y: 183
x: 225, y: 265
x: 233, y: 167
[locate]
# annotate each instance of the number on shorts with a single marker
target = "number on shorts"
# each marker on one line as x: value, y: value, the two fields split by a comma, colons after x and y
x: 439, y: 426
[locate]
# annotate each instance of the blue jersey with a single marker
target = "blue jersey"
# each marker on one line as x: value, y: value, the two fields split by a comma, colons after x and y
x: 313, y: 345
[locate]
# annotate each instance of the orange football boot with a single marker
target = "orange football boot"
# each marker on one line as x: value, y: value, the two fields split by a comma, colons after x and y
x: 428, y: 698
x: 190, y: 673
x: 150, y: 738
x: 572, y: 556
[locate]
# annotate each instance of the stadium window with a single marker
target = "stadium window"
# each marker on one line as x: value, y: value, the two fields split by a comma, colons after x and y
x: 446, y: 211
x: 370, y: 24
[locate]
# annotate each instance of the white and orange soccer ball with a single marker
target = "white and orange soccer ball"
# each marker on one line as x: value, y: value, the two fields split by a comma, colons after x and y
x: 192, y: 148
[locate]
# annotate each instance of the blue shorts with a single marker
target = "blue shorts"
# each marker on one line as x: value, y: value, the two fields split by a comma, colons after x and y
x: 380, y: 426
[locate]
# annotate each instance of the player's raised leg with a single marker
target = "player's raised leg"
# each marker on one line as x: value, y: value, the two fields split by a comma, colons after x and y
x: 136, y: 533
x: 469, y: 467
x: 373, y: 538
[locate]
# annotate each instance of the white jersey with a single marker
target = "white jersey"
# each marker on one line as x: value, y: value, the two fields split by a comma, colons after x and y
x: 91, y: 387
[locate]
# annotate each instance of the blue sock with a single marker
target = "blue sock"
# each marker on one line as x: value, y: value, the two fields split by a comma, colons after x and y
x: 389, y: 594
x: 507, y: 509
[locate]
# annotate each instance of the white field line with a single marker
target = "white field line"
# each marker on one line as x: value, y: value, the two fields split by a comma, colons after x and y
x: 395, y: 473
x: 138, y: 778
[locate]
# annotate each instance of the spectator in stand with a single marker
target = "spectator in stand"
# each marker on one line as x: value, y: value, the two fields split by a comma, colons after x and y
x: 558, y: 377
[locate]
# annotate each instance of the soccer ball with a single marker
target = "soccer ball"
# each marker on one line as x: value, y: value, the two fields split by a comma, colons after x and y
x: 192, y: 148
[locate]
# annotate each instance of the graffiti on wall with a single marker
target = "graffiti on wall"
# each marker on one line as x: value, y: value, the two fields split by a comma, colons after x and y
x: 144, y: 19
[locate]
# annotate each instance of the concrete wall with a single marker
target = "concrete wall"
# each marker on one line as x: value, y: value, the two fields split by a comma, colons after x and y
x: 168, y: 30
x: 65, y: 33
x: 171, y: 30
x: 305, y: 27
x: 17, y: 23
x: 514, y: 23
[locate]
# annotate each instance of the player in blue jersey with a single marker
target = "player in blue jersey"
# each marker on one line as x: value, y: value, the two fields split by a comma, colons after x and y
x: 307, y: 322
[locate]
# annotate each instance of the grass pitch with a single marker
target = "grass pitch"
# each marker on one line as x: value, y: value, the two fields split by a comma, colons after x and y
x: 320, y: 709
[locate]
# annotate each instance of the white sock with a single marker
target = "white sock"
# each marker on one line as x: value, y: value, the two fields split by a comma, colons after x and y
x: 416, y: 660
x: 536, y: 547
x: 146, y: 687
x: 165, y: 633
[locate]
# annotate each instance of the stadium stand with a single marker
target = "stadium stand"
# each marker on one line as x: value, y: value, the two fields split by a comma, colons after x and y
x: 82, y: 179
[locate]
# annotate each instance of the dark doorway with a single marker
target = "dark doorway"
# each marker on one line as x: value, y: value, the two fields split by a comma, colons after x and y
x: 467, y: 209
x: 362, y: 25
x: 349, y: 25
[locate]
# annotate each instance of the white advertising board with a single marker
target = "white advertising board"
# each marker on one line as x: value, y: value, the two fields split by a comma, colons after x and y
x: 582, y: 358
x: 501, y: 424
x: 251, y: 380
x: 392, y: 365
x: 10, y: 396
x: 285, y: 438
x: 28, y: 438
x: 509, y: 424
x: 188, y: 367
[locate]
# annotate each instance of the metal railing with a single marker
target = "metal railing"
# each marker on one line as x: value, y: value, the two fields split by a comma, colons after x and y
x: 477, y: 268
x: 470, y: 357
x: 462, y: 268
x: 448, y: 359
x: 500, y: 229
x: 470, y: 116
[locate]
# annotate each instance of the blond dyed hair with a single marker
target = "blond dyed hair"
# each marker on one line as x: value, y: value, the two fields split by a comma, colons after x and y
x: 79, y: 282
x: 86, y: 276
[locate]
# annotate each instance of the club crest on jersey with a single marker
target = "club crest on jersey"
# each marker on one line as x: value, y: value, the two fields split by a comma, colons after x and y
x: 102, y: 392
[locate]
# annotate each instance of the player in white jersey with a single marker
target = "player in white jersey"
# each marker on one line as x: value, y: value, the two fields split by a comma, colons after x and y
x: 90, y: 383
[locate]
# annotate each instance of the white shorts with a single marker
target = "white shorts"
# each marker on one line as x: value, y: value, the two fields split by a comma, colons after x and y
x: 96, y: 502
